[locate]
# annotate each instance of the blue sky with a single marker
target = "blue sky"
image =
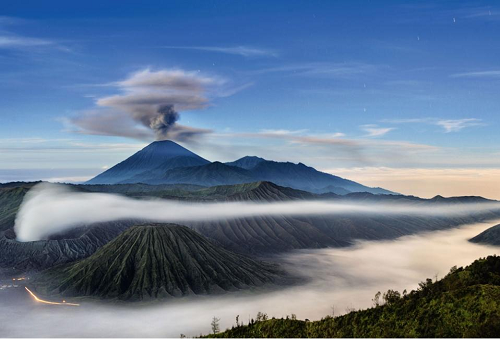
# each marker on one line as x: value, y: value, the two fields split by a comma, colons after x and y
x: 390, y: 93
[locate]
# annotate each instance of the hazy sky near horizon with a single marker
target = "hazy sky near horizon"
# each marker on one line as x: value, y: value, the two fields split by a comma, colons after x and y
x: 402, y: 95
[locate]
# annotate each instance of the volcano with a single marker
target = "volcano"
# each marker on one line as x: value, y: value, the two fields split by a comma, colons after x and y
x: 155, y: 159
x: 166, y: 162
x: 159, y: 261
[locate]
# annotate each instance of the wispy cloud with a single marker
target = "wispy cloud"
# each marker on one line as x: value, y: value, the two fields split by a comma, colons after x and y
x: 323, y: 69
x: 479, y: 74
x: 234, y: 50
x: 409, y: 120
x: 484, y: 13
x: 10, y: 40
x: 19, y: 42
x: 10, y: 20
x: 376, y: 131
x: 448, y: 125
x: 458, y: 125
x: 41, y: 144
x: 282, y: 132
x: 318, y: 148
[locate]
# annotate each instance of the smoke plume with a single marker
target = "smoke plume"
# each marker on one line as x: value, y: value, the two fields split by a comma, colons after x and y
x: 49, y: 209
x: 164, y: 120
x: 148, y: 106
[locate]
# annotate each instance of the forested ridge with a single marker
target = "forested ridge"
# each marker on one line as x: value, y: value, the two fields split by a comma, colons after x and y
x: 465, y: 303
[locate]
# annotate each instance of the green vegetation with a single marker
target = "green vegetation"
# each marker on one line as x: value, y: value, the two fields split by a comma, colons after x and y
x: 158, y: 261
x: 465, y: 303
x: 10, y: 200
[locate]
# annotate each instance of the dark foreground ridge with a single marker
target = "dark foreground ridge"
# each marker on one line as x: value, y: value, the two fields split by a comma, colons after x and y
x: 465, y: 303
x: 157, y: 261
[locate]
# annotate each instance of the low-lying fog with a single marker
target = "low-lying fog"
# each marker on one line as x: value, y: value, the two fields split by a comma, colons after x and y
x: 343, y: 278
x: 50, y: 209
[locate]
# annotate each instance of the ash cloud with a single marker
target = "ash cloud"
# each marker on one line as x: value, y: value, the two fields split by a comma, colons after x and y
x: 149, y: 106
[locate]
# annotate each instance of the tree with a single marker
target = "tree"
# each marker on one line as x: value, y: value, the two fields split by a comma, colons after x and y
x: 261, y: 317
x: 376, y: 299
x: 391, y: 296
x: 238, y: 320
x: 215, y: 325
x: 349, y: 309
x: 333, y: 310
x: 182, y: 335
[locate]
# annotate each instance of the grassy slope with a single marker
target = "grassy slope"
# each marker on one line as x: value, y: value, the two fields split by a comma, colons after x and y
x: 466, y: 303
x: 10, y: 200
x: 158, y: 261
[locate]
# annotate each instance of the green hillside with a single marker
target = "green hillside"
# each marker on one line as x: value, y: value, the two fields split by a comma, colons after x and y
x: 11, y: 197
x: 158, y: 261
x: 465, y: 303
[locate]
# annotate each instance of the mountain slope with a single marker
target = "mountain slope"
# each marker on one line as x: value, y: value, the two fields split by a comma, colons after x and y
x: 158, y: 261
x: 165, y: 162
x: 251, y: 236
x: 159, y: 154
x: 38, y: 255
x: 247, y: 162
x: 306, y: 178
x: 211, y: 174
x: 465, y: 303
x: 491, y: 236
x: 298, y: 176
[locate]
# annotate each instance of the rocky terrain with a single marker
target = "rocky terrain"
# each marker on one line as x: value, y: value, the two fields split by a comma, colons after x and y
x: 158, y: 261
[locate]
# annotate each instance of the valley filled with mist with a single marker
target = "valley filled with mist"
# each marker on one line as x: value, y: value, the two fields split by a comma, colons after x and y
x: 343, y: 278
x: 165, y: 259
x: 249, y: 169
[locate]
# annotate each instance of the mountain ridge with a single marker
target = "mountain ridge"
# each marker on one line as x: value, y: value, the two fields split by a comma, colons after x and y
x: 165, y: 162
x: 166, y: 154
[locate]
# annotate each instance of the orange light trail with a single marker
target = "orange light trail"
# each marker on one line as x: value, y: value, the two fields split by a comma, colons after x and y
x: 64, y: 303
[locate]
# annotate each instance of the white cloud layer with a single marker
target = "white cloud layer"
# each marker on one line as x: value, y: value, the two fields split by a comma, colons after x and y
x: 341, y: 277
x: 48, y: 209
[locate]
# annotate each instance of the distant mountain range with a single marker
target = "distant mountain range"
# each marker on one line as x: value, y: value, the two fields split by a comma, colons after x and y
x: 258, y: 236
x: 165, y: 162
x: 92, y: 254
